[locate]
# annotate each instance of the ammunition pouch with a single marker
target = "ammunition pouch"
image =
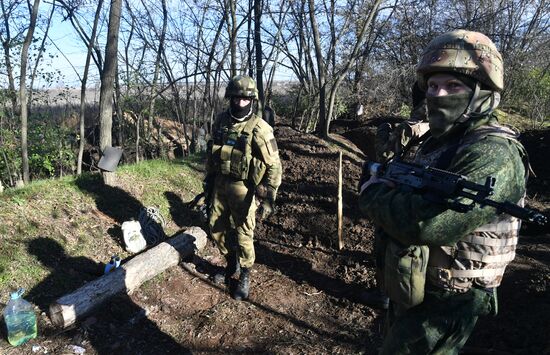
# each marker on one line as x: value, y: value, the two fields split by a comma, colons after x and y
x: 405, y: 273
x: 232, y: 154
x: 235, y: 157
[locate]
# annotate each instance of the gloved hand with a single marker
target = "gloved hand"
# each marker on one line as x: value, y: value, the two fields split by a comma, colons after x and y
x: 208, y: 184
x: 267, y: 207
x: 208, y: 189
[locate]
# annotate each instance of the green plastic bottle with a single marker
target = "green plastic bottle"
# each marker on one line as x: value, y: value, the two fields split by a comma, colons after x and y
x: 20, y: 319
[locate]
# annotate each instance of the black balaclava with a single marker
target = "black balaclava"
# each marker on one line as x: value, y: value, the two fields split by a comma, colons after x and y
x: 240, y: 113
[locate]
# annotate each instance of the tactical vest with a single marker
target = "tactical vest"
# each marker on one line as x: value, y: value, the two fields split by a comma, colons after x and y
x: 232, y: 148
x: 480, y: 257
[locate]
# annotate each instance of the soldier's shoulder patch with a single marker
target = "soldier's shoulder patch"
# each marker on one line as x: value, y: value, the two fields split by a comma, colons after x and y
x: 273, y: 145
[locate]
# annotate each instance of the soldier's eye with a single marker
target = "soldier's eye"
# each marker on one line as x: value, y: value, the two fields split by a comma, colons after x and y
x: 455, y: 85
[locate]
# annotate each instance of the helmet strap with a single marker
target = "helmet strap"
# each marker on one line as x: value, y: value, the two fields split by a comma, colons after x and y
x: 468, y: 112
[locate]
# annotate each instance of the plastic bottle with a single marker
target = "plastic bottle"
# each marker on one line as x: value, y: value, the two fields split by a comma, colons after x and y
x: 113, y: 264
x: 20, y: 319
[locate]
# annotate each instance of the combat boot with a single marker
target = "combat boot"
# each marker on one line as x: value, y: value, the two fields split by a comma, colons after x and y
x: 243, y: 287
x: 232, y: 267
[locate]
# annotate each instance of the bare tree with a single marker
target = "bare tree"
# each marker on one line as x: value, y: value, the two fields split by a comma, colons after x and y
x: 8, y: 40
x: 275, y: 48
x: 337, y: 73
x: 107, y: 83
x: 321, y: 69
x: 209, y: 94
x: 41, y: 50
x: 259, y: 52
x: 33, y: 11
x: 232, y: 32
x: 83, y: 88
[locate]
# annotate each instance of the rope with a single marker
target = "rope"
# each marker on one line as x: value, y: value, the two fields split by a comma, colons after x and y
x: 152, y: 224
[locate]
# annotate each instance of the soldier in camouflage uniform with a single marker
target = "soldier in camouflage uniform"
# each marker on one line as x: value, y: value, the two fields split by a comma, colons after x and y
x: 242, y: 157
x: 461, y: 72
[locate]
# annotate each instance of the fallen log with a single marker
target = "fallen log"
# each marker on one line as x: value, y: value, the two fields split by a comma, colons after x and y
x: 66, y: 310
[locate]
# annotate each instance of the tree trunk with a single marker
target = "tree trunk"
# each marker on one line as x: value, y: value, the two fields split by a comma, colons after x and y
x: 7, y: 44
x: 209, y: 99
x: 339, y: 76
x: 321, y: 69
x: 138, y: 123
x: 233, y: 36
x: 259, y: 53
x: 160, y: 51
x: 70, y: 308
x: 39, y: 56
x: 23, y: 91
x: 107, y: 84
x: 83, y: 89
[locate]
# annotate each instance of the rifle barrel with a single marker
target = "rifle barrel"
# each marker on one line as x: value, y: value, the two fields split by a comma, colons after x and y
x: 517, y: 211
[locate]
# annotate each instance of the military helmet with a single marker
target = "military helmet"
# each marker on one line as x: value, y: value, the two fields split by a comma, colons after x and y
x: 466, y: 52
x: 241, y: 86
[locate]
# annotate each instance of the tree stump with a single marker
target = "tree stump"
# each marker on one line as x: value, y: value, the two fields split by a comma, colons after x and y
x: 70, y: 308
x: 109, y: 178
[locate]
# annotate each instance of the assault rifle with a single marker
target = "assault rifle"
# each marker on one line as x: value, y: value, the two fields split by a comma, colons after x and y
x: 443, y: 186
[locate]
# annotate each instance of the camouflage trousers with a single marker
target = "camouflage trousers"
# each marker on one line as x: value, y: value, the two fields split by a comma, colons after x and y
x: 233, y: 214
x: 441, y: 324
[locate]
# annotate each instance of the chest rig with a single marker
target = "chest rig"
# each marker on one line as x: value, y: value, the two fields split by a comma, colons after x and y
x: 232, y: 148
x: 480, y: 258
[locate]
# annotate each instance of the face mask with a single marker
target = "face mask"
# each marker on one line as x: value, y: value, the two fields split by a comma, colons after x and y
x: 240, y: 113
x: 445, y: 111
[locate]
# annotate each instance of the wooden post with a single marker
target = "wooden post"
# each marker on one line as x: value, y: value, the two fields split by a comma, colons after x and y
x: 66, y: 310
x: 340, y: 222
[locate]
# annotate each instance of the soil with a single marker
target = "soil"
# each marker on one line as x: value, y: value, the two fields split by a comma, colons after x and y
x: 304, y: 291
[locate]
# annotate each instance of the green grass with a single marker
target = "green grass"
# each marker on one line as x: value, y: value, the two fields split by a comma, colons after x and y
x: 519, y: 122
x: 54, y: 227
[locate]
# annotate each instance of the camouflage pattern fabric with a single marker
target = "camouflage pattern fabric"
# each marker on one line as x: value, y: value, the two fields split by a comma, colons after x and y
x: 411, y: 219
x: 443, y: 322
x: 390, y: 141
x: 233, y: 204
x: 439, y: 325
x: 241, y: 86
x: 466, y: 52
x: 233, y: 209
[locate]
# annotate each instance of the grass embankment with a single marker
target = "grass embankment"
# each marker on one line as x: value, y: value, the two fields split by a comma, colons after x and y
x: 519, y: 122
x: 71, y: 226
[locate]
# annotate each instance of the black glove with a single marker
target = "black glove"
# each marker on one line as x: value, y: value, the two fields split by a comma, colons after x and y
x: 267, y: 207
x: 208, y: 190
x: 208, y: 185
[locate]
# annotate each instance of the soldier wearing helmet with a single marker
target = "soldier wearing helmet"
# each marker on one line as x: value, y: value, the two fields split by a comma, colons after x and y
x: 458, y: 258
x: 242, y: 158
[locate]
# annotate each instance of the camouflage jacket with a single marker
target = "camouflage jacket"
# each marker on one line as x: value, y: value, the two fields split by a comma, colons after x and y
x: 412, y: 220
x: 258, y: 149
